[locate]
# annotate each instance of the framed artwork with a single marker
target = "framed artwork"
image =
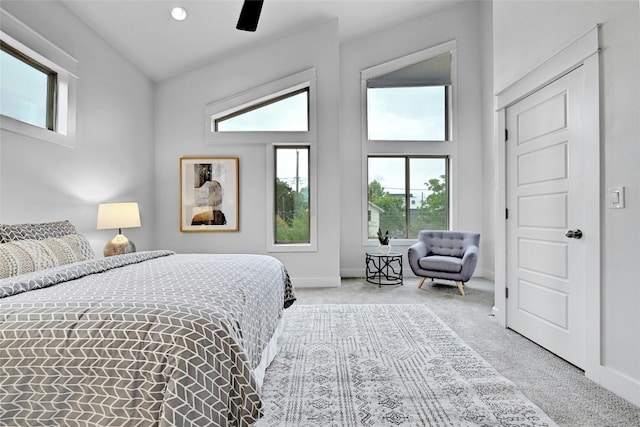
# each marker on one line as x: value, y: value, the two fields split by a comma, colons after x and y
x: 209, y: 194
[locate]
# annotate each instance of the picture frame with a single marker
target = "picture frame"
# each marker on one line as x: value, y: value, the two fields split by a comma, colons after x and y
x: 209, y: 194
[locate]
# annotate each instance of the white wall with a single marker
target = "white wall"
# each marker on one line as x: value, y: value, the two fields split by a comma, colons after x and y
x: 525, y: 34
x: 113, y: 156
x: 489, y: 159
x: 180, y: 124
x: 463, y: 23
x: 121, y: 156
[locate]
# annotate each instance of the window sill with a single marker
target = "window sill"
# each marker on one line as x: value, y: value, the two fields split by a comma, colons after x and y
x: 299, y: 247
x: 15, y: 126
x: 393, y: 243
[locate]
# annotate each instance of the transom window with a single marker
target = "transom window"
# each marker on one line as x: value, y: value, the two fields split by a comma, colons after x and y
x: 411, y: 103
x: 407, y: 194
x: 284, y: 113
x: 27, y: 89
x: 281, y: 111
x: 407, y: 113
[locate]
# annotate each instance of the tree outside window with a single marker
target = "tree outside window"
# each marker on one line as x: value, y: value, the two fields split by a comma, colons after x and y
x: 409, y: 193
x: 291, y: 194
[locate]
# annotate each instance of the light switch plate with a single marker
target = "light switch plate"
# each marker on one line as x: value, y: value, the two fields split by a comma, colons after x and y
x: 616, y: 197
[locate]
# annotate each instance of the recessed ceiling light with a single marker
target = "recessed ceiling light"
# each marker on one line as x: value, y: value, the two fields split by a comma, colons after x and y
x: 179, y: 14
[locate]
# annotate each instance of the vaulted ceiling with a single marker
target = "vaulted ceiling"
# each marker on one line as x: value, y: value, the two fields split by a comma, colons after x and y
x: 145, y: 32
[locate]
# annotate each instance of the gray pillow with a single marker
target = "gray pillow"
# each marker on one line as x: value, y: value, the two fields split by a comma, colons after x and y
x: 45, y: 230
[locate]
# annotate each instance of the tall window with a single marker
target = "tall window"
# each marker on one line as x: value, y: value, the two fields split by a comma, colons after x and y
x: 27, y: 89
x: 407, y: 194
x: 291, y: 194
x: 409, y: 109
x: 281, y: 115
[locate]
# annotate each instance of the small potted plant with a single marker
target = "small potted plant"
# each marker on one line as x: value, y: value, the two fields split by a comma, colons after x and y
x: 384, y: 246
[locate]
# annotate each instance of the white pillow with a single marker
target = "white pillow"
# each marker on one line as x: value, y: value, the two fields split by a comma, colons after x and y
x: 26, y: 256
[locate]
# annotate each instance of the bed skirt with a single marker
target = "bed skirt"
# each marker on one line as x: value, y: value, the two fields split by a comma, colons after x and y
x: 268, y: 354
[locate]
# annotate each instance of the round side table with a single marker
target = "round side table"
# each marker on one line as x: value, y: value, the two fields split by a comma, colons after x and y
x: 384, y: 269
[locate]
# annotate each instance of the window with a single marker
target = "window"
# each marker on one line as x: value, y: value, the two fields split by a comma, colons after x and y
x: 407, y: 113
x: 406, y: 102
x: 281, y: 116
x: 27, y: 88
x: 291, y: 195
x: 282, y: 111
x: 285, y: 113
x: 407, y: 194
x: 411, y: 103
x: 37, y: 85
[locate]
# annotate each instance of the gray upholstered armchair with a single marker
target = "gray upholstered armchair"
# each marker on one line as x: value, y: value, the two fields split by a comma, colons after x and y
x: 450, y: 255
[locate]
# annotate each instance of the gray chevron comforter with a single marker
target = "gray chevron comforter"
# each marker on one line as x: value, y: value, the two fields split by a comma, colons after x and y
x: 143, y: 339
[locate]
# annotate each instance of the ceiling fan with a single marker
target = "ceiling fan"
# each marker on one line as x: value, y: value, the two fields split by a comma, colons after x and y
x: 249, y: 15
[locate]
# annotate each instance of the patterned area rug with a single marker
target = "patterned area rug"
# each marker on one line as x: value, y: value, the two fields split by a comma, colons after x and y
x: 385, y: 365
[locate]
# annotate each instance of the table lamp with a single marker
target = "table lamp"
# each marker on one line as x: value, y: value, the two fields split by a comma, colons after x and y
x: 118, y: 215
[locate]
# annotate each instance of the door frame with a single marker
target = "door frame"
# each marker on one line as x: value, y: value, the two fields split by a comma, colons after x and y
x: 583, y: 51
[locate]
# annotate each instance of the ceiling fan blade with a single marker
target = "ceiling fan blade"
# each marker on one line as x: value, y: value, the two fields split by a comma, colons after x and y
x: 249, y: 15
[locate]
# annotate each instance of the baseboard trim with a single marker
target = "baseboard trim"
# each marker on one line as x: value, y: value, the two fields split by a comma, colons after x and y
x: 489, y: 275
x: 315, y: 282
x: 623, y: 385
x: 352, y: 272
x: 407, y: 273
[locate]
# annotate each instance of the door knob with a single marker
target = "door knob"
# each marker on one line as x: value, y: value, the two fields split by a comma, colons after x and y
x: 574, y: 234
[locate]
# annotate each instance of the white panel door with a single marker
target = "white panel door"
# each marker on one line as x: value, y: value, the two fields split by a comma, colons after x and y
x: 546, y: 205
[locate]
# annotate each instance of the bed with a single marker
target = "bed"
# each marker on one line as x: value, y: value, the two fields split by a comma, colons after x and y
x: 142, y: 339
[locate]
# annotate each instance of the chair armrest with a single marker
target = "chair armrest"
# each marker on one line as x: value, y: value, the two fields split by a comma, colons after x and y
x: 414, y: 253
x: 471, y: 251
x: 469, y: 261
x: 418, y: 249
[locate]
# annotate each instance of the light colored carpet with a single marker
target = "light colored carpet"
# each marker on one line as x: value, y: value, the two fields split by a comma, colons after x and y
x: 385, y: 365
x: 559, y: 388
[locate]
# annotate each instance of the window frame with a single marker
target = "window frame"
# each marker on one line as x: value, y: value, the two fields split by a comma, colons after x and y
x: 272, y: 246
x: 407, y: 183
x: 38, y: 50
x: 403, y: 148
x: 449, y: 47
x: 256, y: 97
x: 271, y: 139
x: 216, y: 120
x: 52, y: 82
x: 277, y: 147
x: 447, y: 116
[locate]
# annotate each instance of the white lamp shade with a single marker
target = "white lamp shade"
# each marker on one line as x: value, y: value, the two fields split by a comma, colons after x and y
x: 118, y: 215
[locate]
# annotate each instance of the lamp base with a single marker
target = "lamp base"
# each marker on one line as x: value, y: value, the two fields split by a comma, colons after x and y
x: 119, y: 245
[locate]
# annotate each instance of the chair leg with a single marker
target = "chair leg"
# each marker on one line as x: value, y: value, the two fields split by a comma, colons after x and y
x: 460, y: 287
x: 421, y: 283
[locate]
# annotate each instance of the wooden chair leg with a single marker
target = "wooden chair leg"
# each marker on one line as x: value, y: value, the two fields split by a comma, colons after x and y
x: 460, y: 287
x: 421, y: 283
